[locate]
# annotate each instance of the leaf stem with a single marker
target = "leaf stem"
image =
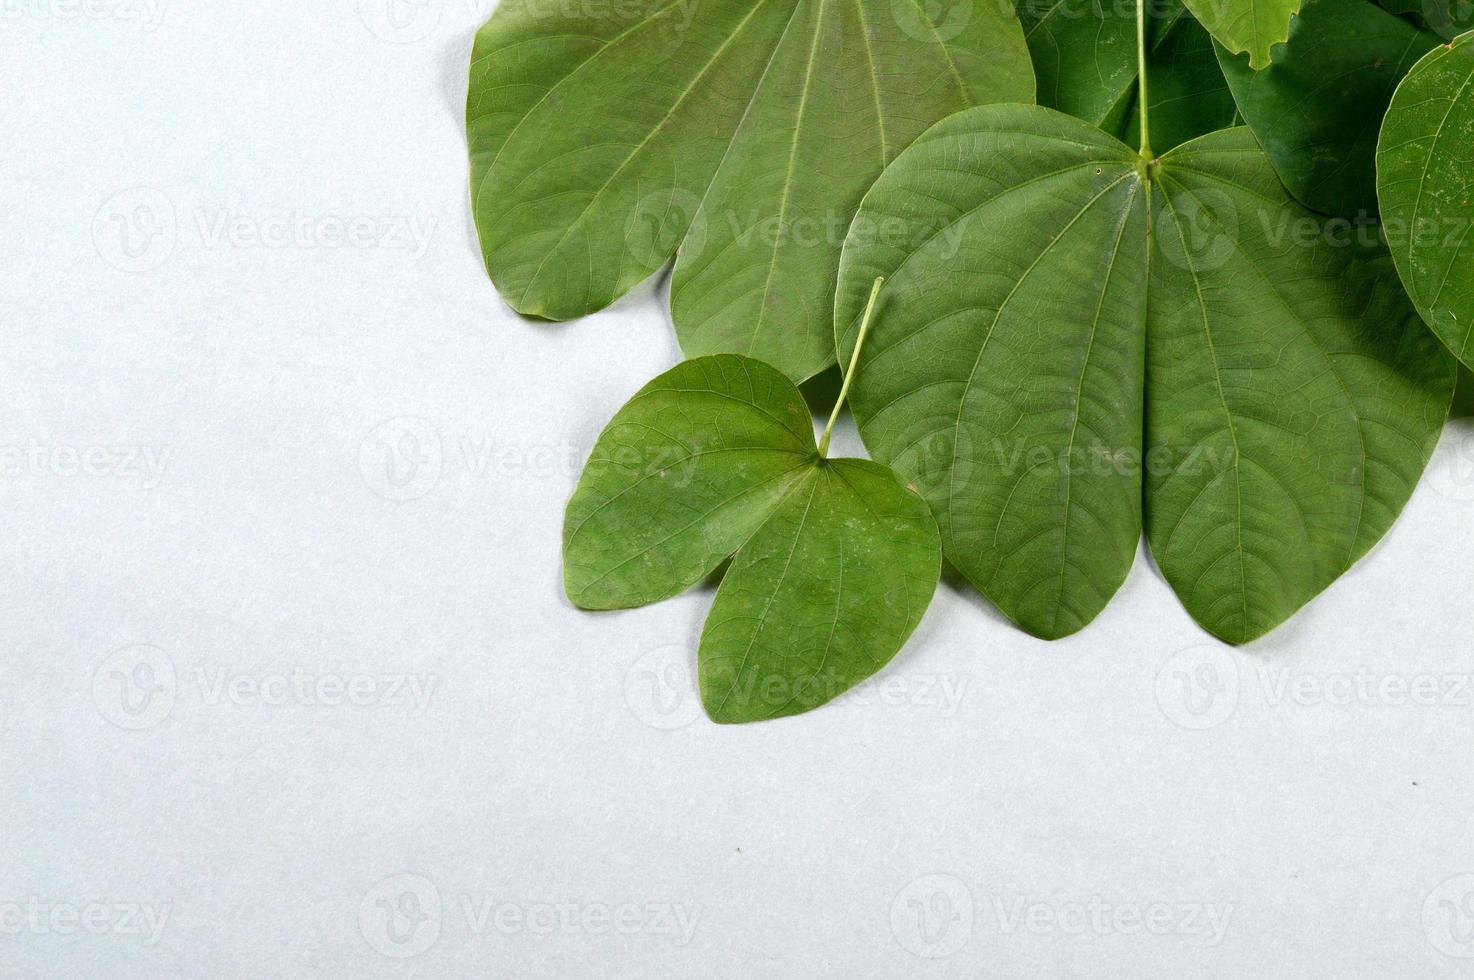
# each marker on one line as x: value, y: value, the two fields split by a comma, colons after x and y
x: 849, y: 374
x: 1146, y: 139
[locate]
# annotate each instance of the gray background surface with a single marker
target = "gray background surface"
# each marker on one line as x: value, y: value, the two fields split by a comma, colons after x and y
x: 290, y: 687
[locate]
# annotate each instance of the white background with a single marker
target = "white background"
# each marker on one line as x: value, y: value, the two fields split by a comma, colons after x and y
x: 267, y: 711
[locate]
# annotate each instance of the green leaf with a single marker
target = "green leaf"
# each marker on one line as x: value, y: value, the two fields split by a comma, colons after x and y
x: 821, y: 597
x: 1032, y: 329
x: 1448, y: 18
x: 1318, y: 108
x: 744, y: 133
x: 1188, y: 94
x: 1084, y: 55
x: 835, y: 561
x: 1252, y: 26
x: 1425, y: 180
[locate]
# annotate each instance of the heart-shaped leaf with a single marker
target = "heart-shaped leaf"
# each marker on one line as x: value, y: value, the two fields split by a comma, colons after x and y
x: 1425, y: 180
x: 835, y: 561
x: 744, y: 133
x: 1252, y: 26
x: 1080, y: 335
x: 1318, y: 108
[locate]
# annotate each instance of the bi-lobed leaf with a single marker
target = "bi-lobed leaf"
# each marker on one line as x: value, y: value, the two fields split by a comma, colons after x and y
x: 835, y: 561
x: 1318, y: 108
x: 1047, y: 370
x: 1246, y: 26
x: 1425, y: 180
x: 744, y: 133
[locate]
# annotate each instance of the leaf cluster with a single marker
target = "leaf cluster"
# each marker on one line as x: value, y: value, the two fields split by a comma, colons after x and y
x: 1193, y: 271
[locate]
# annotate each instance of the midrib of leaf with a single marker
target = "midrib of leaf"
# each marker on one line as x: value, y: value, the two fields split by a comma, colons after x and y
x: 946, y: 51
x: 987, y: 337
x: 798, y: 125
x: 876, y: 354
x: 1294, y: 315
x: 1238, y: 483
x: 1105, y: 289
x: 885, y: 154
x: 773, y: 595
x: 680, y: 101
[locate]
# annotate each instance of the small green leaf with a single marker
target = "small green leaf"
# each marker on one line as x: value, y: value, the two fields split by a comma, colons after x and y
x: 1425, y: 181
x: 821, y: 597
x: 1318, y: 108
x: 1253, y: 26
x: 1288, y: 396
x: 744, y: 133
x: 835, y: 561
x: 685, y: 473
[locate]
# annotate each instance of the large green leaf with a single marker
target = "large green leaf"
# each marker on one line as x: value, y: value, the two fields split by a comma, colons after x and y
x: 1425, y: 179
x: 1252, y: 26
x: 1031, y: 330
x: 1318, y: 108
x: 835, y: 561
x: 744, y: 133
